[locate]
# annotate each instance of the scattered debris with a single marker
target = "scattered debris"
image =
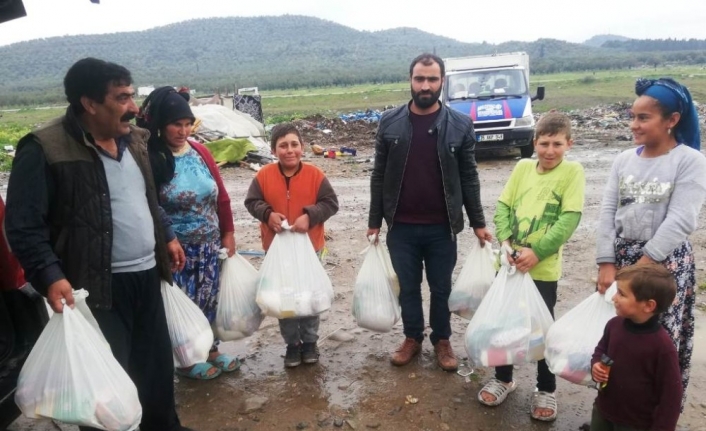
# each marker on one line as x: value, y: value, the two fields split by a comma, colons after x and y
x: 411, y: 400
x: 369, y: 116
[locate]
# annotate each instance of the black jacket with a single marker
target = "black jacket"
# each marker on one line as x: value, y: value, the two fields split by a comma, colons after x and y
x: 455, y: 146
x: 58, y: 220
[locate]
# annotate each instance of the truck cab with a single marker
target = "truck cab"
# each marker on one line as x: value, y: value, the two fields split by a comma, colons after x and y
x: 494, y: 91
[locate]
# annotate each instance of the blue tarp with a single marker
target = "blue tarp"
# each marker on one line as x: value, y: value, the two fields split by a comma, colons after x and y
x: 368, y: 116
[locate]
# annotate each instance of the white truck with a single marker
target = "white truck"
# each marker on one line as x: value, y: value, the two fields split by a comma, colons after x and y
x: 494, y: 91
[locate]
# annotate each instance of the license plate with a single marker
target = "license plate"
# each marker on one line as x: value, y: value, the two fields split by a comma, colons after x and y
x: 495, y: 137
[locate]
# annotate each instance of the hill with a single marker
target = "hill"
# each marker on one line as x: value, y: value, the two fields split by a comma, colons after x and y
x: 599, y: 39
x: 269, y: 52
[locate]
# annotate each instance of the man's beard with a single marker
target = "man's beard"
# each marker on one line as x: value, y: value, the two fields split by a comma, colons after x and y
x: 425, y: 99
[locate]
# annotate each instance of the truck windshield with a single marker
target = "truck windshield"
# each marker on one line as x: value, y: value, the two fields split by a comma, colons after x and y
x: 486, y: 84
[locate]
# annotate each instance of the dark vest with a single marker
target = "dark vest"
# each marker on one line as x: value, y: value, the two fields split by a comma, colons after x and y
x: 81, y: 227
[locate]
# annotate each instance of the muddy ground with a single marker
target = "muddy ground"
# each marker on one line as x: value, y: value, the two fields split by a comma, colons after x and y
x: 354, y: 386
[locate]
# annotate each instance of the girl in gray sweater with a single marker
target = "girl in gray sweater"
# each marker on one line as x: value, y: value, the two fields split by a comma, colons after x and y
x: 652, y: 201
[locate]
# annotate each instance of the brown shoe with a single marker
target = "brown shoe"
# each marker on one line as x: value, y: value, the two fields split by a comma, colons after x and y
x: 445, y: 356
x: 406, y: 352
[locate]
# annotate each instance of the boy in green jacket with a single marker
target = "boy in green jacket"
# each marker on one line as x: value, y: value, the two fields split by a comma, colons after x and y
x: 537, y: 212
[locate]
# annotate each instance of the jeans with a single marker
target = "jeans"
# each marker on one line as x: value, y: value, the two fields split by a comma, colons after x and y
x: 136, y: 329
x: 546, y: 381
x: 417, y: 247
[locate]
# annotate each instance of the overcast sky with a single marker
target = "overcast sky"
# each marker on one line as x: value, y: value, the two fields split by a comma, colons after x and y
x: 465, y: 20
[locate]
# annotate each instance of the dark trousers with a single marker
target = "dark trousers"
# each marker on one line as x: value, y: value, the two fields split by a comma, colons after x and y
x: 299, y: 330
x: 599, y: 423
x: 136, y: 329
x: 546, y: 381
x: 417, y: 247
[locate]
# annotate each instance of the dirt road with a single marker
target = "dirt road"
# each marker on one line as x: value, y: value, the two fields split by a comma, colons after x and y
x: 354, y: 386
x: 354, y: 381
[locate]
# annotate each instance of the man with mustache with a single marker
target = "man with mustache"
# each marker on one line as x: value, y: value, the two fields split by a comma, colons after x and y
x: 82, y: 213
x: 424, y: 175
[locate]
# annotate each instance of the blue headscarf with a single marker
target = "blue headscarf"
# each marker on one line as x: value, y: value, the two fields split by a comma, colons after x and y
x: 675, y: 98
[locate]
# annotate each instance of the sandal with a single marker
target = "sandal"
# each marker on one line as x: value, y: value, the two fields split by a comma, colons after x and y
x: 199, y: 371
x: 543, y: 400
x: 226, y: 363
x: 498, y: 389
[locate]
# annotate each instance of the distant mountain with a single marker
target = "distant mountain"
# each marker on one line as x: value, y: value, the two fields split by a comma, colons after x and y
x: 599, y: 39
x: 652, y: 45
x: 269, y: 52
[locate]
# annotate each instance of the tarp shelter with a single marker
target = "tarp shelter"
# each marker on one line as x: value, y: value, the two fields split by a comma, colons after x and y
x: 234, y: 124
x: 230, y: 150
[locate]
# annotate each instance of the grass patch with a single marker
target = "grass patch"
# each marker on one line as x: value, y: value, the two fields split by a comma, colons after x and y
x: 30, y: 117
x: 10, y: 134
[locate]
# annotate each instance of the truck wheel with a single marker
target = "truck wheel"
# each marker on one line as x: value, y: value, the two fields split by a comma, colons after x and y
x: 527, y: 151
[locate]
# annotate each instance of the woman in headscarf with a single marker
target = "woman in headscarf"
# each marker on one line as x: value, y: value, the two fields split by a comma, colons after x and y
x: 652, y: 201
x: 192, y: 193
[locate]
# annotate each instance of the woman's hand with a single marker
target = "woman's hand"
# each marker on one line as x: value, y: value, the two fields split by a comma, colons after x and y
x: 176, y: 255
x: 275, y: 221
x: 228, y: 242
x: 606, y: 276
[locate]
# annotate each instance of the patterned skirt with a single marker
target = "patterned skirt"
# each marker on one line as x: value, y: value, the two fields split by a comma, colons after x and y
x: 199, y: 278
x: 679, y: 319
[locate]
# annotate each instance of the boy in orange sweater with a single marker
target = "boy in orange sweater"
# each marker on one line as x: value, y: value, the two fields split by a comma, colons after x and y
x: 301, y: 194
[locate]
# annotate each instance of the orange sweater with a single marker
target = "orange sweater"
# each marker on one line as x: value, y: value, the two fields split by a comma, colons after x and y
x: 308, y: 191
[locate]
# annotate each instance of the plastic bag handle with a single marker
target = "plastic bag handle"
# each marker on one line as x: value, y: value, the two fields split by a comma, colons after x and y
x: 504, y: 251
x: 371, y: 240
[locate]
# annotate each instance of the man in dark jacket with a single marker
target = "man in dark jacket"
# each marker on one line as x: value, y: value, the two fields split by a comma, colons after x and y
x: 82, y: 213
x: 423, y: 177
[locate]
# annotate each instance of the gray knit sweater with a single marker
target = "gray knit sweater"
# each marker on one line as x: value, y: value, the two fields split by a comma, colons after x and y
x: 652, y: 199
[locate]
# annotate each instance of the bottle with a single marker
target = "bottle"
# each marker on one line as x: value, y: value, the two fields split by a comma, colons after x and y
x: 605, y: 360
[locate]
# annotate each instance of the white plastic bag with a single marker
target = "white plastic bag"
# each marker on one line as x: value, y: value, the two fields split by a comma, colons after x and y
x: 572, y: 339
x: 71, y: 376
x: 473, y: 282
x: 237, y: 315
x: 80, y: 305
x: 292, y: 282
x: 610, y: 293
x: 189, y: 330
x: 511, y: 322
x: 375, y: 296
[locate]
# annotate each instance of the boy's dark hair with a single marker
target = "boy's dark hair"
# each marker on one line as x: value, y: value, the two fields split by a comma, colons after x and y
x: 427, y: 59
x: 552, y: 123
x: 281, y: 130
x: 650, y: 281
x: 91, y: 77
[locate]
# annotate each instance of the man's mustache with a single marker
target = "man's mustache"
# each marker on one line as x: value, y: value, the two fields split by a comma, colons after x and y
x: 127, y: 117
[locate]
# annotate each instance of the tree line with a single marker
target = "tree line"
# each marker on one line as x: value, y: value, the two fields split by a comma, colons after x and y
x: 285, y: 52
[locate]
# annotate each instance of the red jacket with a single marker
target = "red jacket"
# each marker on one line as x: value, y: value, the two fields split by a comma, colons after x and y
x: 308, y: 192
x: 225, y: 214
x: 11, y: 274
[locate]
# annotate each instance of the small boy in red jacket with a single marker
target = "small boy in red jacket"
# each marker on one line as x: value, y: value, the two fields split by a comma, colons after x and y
x: 642, y: 388
x: 300, y: 194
